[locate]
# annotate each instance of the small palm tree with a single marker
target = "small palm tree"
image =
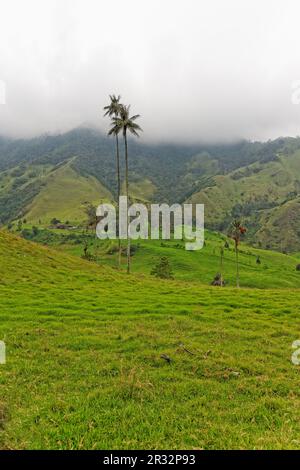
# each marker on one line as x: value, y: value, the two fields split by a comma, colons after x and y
x: 237, y: 231
x: 221, y: 265
x: 113, y: 111
x: 125, y: 123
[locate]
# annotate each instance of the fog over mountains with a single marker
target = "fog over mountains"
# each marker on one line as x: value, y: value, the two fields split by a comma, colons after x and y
x: 54, y: 176
x: 216, y: 83
x: 212, y: 71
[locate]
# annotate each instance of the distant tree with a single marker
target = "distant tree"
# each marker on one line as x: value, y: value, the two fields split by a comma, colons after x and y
x: 91, y: 217
x: 218, y: 280
x: 124, y: 123
x: 26, y: 233
x: 35, y: 231
x: 298, y: 267
x: 113, y: 111
x: 221, y: 265
x: 237, y: 231
x: 258, y: 261
x: 19, y: 226
x: 86, y: 253
x: 91, y: 222
x: 163, y: 269
x: 54, y: 221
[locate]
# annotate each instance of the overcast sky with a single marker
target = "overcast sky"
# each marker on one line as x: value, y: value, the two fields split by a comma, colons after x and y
x: 195, y: 69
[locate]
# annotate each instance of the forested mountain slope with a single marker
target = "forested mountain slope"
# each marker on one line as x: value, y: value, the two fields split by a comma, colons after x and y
x: 53, y: 176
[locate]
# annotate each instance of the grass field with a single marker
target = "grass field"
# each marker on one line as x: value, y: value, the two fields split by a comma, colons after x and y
x: 84, y: 369
x: 275, y: 271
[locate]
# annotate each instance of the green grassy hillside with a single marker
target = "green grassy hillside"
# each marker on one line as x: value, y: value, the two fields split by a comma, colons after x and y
x: 259, y: 182
x: 275, y: 269
x: 63, y: 196
x: 83, y: 359
x: 265, y: 195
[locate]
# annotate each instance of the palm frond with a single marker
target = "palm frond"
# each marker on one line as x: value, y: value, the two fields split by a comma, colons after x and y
x: 136, y: 116
x: 133, y: 127
x: 116, y: 126
x: 113, y: 109
x: 120, y: 119
x: 133, y: 131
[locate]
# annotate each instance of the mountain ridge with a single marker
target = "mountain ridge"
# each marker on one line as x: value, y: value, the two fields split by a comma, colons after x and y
x: 259, y: 182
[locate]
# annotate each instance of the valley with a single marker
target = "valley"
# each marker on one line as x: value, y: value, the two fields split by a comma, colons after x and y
x: 54, y: 176
x: 89, y: 347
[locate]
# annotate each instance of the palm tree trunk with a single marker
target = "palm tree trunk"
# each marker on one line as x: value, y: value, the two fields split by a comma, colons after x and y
x: 127, y: 195
x: 119, y: 192
x: 237, y: 266
x: 221, y: 280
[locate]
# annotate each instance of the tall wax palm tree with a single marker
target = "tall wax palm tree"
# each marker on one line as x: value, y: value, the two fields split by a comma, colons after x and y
x: 237, y: 231
x: 113, y: 111
x: 221, y: 265
x: 125, y: 123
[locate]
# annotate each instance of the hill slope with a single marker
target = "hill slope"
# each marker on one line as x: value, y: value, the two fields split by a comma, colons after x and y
x: 258, y: 268
x: 257, y: 181
x: 64, y: 194
x: 83, y: 359
x: 265, y: 195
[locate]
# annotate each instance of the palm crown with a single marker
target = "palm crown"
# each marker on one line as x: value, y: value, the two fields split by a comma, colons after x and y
x: 113, y: 109
x: 123, y: 122
x: 237, y: 231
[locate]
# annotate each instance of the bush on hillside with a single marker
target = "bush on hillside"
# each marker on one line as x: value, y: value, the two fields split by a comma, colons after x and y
x: 54, y: 221
x: 163, y: 269
x: 218, y: 280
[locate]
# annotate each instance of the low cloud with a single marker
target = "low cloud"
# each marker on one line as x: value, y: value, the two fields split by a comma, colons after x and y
x: 198, y: 71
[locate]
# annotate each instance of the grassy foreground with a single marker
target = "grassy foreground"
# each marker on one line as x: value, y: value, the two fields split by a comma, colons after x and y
x: 84, y: 369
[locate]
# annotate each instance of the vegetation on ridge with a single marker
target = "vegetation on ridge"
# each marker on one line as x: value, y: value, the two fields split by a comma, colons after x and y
x: 258, y: 182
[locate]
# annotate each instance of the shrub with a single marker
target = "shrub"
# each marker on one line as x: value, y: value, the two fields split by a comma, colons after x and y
x: 54, y: 221
x: 218, y: 280
x: 163, y: 269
